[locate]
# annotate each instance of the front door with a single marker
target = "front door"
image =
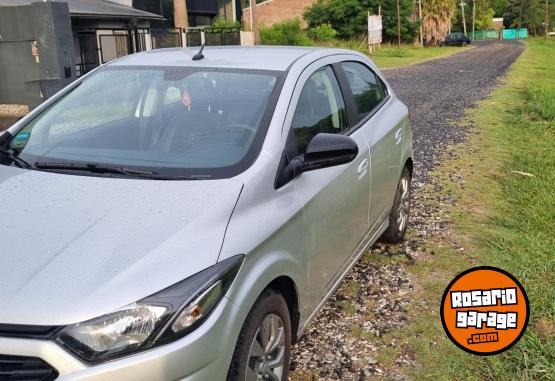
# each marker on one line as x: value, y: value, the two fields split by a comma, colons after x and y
x: 381, y: 122
x: 336, y: 199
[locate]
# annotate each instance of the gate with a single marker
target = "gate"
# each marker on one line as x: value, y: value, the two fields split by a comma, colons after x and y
x: 166, y: 38
x: 222, y: 36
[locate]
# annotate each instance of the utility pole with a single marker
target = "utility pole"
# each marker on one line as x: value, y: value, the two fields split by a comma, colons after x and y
x: 546, y: 19
x: 473, y: 17
x: 254, y: 23
x: 398, y: 25
x: 421, y: 22
x: 464, y: 20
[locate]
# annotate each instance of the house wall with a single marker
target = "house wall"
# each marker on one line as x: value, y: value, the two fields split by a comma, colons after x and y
x: 274, y: 11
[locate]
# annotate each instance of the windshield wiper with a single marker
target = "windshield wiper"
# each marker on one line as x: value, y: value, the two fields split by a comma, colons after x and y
x: 101, y: 169
x: 12, y: 155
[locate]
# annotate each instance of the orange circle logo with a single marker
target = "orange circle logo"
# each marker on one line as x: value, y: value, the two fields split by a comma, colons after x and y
x: 485, y: 310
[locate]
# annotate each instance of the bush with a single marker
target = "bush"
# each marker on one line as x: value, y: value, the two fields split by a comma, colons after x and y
x: 288, y: 32
x: 324, y: 32
x: 220, y: 22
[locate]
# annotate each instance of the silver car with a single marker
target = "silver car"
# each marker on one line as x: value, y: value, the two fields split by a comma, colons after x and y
x: 177, y: 215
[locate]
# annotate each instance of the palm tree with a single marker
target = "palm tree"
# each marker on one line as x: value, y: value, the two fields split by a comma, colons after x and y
x: 436, y: 20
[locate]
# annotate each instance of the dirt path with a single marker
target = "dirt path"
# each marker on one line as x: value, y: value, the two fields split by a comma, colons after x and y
x: 350, y: 339
x: 437, y: 92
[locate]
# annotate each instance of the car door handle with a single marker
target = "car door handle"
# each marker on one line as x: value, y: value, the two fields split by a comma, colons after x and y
x: 398, y: 136
x: 362, y: 168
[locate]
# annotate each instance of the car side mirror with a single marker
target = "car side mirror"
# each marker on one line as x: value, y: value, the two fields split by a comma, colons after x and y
x: 323, y: 151
x: 329, y: 150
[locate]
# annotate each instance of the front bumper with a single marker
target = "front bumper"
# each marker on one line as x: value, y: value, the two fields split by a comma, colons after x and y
x: 203, y: 355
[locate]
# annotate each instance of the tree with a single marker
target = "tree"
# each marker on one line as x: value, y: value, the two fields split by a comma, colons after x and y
x: 436, y: 19
x: 484, y: 14
x: 499, y: 7
x: 349, y: 17
x: 525, y: 14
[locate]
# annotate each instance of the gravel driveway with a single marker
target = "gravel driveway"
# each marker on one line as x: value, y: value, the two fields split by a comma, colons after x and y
x: 346, y: 341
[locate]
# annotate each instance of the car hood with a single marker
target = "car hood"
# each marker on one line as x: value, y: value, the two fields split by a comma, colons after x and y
x: 76, y: 247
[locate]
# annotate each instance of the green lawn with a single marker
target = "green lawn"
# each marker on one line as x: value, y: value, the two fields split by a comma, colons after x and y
x: 389, y: 57
x: 504, y: 183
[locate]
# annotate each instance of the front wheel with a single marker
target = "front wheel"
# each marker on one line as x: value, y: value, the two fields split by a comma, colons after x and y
x: 263, y: 349
x: 399, y: 215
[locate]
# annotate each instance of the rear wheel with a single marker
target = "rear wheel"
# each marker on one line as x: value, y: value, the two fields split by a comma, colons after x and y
x: 263, y: 349
x: 399, y: 215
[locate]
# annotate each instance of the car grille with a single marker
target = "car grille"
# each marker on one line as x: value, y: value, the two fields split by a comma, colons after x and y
x: 28, y: 331
x: 16, y: 368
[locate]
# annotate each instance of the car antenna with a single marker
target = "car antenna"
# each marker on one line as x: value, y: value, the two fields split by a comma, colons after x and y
x: 199, y: 55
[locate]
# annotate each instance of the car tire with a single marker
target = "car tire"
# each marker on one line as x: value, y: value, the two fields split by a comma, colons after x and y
x: 400, y: 211
x: 268, y: 323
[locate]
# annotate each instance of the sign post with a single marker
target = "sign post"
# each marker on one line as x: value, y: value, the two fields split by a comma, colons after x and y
x: 374, y: 30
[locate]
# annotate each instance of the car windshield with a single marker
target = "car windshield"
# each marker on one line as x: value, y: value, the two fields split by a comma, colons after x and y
x: 171, y: 120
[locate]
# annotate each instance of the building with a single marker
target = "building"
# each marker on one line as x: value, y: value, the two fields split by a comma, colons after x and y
x: 497, y: 23
x: 107, y: 29
x: 269, y: 12
x: 199, y: 12
x: 103, y: 30
x: 44, y: 45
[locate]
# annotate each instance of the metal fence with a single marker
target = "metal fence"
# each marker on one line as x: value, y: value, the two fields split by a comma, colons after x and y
x: 166, y: 38
x: 162, y: 38
x: 515, y: 33
x: 507, y: 34
x: 222, y: 36
x: 194, y: 37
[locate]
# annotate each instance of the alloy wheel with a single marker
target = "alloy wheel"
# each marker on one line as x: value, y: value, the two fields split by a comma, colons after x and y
x: 404, y: 204
x: 267, y: 351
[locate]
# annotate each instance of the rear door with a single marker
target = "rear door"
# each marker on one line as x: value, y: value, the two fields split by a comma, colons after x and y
x: 336, y: 199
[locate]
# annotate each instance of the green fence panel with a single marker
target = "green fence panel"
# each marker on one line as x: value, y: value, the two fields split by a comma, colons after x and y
x: 509, y: 34
x: 480, y: 35
x: 522, y: 33
x: 491, y: 35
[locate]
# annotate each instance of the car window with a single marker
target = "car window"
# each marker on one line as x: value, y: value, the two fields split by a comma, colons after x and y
x: 320, y: 108
x: 367, y: 88
x: 168, y: 120
x: 102, y: 102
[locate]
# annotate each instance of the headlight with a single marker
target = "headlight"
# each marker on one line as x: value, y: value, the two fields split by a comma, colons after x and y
x: 153, y: 321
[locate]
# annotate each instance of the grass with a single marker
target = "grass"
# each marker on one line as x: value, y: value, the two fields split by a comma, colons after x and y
x: 504, y: 217
x: 389, y: 56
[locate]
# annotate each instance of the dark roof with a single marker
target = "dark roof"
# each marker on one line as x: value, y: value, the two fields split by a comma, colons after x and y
x: 95, y: 8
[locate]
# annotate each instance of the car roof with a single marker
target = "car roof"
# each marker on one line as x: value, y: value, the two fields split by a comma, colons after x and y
x: 238, y: 57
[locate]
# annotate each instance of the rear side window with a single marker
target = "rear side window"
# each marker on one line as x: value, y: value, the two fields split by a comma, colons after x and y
x: 368, y: 90
x: 320, y: 108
